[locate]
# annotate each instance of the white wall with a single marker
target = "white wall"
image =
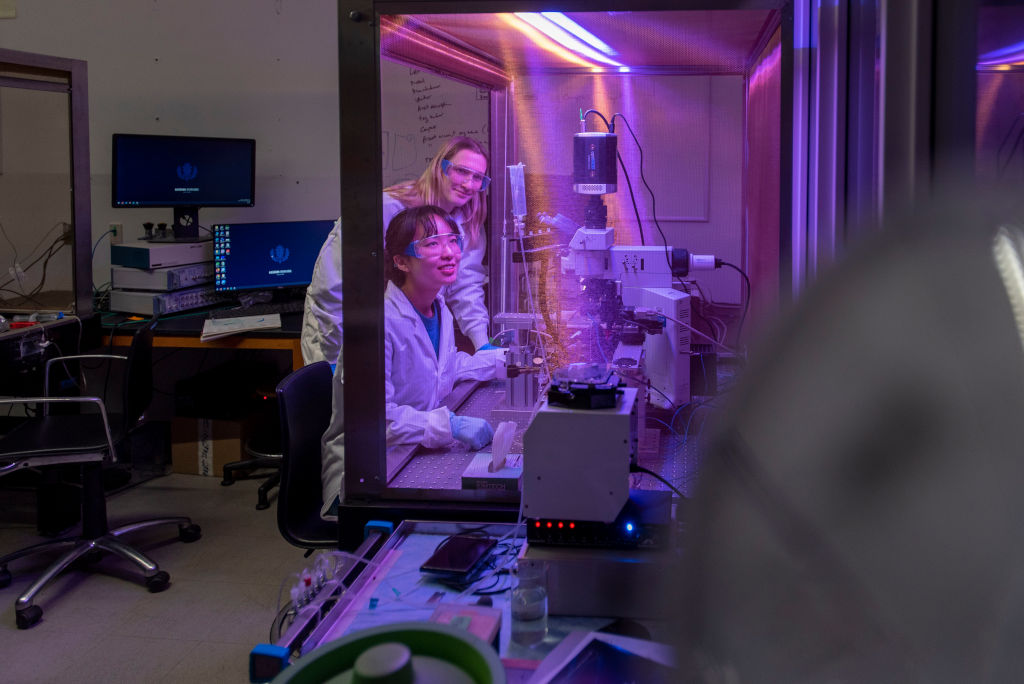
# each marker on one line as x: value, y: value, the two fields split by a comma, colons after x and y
x: 691, y: 130
x: 263, y: 69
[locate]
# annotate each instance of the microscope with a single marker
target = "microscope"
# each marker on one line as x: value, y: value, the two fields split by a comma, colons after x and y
x: 627, y: 290
x: 585, y: 436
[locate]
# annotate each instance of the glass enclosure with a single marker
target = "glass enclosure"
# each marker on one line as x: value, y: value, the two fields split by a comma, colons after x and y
x: 44, y: 203
x: 633, y: 216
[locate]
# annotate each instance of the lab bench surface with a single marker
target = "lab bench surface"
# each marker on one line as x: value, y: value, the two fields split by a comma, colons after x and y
x: 671, y: 453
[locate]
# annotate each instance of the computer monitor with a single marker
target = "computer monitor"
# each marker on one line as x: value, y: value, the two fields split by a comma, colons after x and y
x: 184, y: 173
x: 266, y: 256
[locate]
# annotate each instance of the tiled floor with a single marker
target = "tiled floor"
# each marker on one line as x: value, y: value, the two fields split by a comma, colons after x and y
x: 101, y: 627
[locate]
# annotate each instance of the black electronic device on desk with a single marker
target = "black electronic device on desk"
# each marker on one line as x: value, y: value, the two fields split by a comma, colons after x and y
x: 459, y: 556
x: 644, y: 523
x: 266, y: 265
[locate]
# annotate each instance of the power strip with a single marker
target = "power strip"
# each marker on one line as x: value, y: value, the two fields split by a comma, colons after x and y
x: 162, y: 303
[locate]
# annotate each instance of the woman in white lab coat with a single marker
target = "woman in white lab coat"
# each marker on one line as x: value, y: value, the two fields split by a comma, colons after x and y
x: 423, y: 248
x: 455, y: 180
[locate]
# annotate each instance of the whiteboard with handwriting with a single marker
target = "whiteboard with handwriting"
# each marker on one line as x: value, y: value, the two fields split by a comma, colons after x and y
x: 419, y: 111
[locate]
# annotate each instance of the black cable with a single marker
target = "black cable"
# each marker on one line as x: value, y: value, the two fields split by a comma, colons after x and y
x: 641, y: 469
x: 625, y: 173
x: 609, y: 126
x: 636, y: 210
x: 711, y: 331
x: 672, y: 406
x: 11, y: 242
x: 693, y: 412
x: 45, y: 235
x: 59, y: 242
x: 654, y: 209
x: 100, y: 295
x: 490, y: 590
x: 746, y: 300
x: 46, y: 262
x: 22, y: 296
x: 34, y: 248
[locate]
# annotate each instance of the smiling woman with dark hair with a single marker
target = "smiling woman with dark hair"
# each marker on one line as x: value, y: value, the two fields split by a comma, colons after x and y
x: 422, y: 250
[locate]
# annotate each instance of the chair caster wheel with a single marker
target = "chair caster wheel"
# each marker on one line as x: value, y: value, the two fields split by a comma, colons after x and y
x: 5, y: 577
x: 190, y: 533
x: 27, y: 617
x: 158, y: 582
x: 262, y: 505
x: 227, y: 481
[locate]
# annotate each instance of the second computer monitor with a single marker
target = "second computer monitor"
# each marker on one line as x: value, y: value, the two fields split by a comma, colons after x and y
x: 266, y: 256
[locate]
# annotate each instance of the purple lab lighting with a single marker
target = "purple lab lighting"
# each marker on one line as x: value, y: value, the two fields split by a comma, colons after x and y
x: 1012, y: 54
x: 580, y: 32
x: 564, y: 38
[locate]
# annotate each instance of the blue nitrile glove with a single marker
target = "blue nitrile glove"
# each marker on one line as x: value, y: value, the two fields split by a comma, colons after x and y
x: 487, y: 346
x: 476, y: 433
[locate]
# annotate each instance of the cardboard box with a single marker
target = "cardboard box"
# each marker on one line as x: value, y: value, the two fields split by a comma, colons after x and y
x: 201, y: 446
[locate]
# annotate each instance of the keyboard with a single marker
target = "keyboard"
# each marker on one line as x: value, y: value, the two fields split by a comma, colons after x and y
x: 261, y: 309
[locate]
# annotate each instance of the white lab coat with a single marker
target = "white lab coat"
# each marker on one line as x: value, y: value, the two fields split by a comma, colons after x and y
x: 322, y: 319
x: 416, y: 380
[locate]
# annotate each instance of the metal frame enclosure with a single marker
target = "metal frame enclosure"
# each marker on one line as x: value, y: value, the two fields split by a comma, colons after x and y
x: 73, y: 72
x: 928, y: 97
x: 362, y: 241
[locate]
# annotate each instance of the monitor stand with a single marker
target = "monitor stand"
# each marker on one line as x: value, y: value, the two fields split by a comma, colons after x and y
x: 186, y: 224
x: 184, y: 229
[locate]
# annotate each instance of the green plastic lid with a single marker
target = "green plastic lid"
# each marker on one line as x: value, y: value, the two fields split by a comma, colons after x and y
x: 402, y: 653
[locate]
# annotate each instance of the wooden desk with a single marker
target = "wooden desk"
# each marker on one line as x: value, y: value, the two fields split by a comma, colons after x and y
x: 234, y: 342
x: 183, y: 333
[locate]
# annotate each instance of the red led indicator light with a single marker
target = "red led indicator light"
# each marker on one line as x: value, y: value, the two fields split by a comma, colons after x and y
x: 537, y: 524
x: 559, y: 525
x: 549, y: 523
x: 572, y: 526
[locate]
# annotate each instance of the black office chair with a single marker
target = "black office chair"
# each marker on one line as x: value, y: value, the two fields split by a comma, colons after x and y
x: 263, y: 449
x: 88, y: 439
x: 304, y: 401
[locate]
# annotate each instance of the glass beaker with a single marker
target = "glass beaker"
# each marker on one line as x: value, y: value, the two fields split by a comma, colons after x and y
x: 530, y: 603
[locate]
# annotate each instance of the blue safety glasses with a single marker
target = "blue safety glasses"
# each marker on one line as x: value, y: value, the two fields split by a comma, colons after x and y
x: 434, y: 245
x: 464, y: 176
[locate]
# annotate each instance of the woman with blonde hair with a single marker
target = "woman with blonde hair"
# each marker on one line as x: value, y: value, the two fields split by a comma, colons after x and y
x: 455, y: 180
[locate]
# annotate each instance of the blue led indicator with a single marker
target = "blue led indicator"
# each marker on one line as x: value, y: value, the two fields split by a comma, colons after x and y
x: 629, y: 527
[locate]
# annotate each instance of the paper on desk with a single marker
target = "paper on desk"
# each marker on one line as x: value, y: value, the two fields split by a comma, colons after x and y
x: 214, y: 328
